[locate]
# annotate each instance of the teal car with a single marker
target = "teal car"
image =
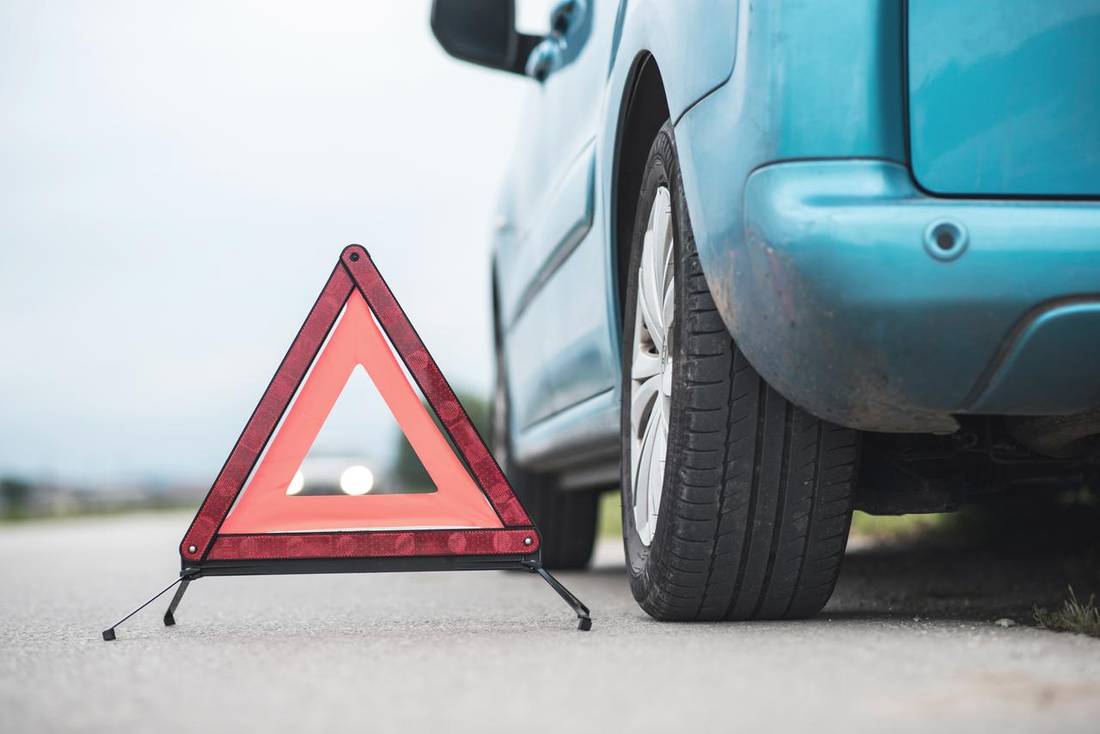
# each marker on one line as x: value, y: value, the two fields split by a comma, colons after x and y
x: 759, y: 264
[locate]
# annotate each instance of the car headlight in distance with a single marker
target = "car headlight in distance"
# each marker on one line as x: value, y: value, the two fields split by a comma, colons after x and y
x: 296, y: 483
x: 356, y: 480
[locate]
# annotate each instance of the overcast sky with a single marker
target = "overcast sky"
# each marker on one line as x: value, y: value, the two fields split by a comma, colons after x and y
x: 177, y: 182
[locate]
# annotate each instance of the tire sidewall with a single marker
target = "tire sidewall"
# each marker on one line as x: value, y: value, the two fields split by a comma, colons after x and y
x: 662, y: 169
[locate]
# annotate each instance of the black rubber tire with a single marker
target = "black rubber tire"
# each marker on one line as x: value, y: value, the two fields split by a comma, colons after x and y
x: 566, y: 519
x: 757, y: 500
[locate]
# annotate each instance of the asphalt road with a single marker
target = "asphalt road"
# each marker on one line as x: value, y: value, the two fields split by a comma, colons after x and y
x: 907, y: 644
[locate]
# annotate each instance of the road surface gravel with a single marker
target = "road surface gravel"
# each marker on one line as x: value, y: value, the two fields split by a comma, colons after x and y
x: 908, y: 643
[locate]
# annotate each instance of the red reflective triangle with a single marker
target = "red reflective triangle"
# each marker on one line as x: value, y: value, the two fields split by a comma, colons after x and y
x: 247, y: 514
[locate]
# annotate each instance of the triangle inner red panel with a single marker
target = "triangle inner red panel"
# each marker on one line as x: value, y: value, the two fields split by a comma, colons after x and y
x: 248, y: 514
x: 264, y: 506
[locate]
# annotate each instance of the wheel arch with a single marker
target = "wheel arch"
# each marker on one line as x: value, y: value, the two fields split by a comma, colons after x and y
x: 644, y: 109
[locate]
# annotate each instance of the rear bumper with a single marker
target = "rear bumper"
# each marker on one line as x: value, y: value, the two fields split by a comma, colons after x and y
x: 848, y: 306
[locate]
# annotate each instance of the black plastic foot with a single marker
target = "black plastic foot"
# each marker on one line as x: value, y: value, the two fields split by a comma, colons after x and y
x: 169, y: 615
x: 584, y: 619
x: 109, y: 635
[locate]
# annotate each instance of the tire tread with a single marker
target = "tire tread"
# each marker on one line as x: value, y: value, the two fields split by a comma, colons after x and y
x: 758, y: 503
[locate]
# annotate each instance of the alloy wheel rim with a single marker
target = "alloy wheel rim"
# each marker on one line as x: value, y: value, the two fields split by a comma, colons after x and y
x: 651, y: 367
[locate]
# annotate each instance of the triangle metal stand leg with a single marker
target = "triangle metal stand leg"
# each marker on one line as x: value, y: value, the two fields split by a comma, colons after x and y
x: 584, y: 620
x: 169, y: 614
x: 109, y: 633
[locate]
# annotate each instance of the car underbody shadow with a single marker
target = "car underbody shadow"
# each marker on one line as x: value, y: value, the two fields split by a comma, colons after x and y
x: 994, y: 561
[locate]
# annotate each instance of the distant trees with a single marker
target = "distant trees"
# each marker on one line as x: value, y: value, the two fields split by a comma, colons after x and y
x: 407, y: 469
x: 15, y: 498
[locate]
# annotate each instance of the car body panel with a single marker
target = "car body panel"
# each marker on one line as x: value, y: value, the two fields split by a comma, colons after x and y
x: 562, y: 223
x: 1046, y: 349
x: 783, y: 101
x: 546, y: 232
x: 557, y: 313
x: 860, y: 318
x: 790, y: 121
x: 695, y: 43
x: 565, y: 328
x: 1004, y: 98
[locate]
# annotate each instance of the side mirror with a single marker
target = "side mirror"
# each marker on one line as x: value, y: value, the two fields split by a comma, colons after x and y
x: 482, y: 32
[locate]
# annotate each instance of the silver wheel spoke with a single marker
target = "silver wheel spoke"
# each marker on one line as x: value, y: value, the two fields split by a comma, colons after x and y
x: 651, y: 367
x: 646, y: 364
x: 642, y: 403
x: 662, y: 217
x: 651, y: 308
x: 668, y: 302
x: 643, y: 483
x: 657, y: 461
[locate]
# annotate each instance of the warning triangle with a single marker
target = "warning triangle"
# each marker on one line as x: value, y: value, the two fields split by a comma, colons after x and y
x: 257, y: 509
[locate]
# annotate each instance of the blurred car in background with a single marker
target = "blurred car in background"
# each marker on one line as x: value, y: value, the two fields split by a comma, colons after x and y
x: 760, y: 263
x: 350, y: 474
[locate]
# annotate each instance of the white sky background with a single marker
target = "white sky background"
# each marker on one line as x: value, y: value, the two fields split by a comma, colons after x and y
x: 177, y: 181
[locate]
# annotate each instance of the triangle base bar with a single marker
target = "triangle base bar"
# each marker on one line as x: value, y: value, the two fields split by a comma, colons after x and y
x: 262, y: 567
x: 374, y: 544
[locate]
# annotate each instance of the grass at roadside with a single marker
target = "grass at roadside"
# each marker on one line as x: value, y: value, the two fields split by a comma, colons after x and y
x: 1072, y: 616
x: 610, y: 517
x: 896, y: 527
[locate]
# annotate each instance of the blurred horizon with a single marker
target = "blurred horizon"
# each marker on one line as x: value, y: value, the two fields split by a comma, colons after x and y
x: 179, y: 181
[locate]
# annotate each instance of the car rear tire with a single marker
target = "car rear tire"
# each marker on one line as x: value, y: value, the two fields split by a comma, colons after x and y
x: 566, y: 519
x: 744, y: 512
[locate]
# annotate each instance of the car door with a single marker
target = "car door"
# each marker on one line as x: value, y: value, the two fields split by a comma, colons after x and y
x: 550, y: 269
